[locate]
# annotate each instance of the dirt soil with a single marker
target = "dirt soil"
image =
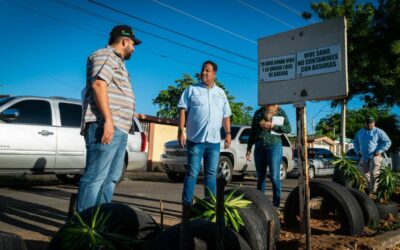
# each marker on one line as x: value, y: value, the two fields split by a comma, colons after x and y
x: 324, y: 237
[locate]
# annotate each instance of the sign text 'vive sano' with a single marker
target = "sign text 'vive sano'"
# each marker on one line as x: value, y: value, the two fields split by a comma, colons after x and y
x: 305, y: 63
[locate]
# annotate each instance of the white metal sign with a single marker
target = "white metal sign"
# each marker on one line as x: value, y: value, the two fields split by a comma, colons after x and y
x: 277, y: 68
x: 308, y: 63
x: 318, y: 61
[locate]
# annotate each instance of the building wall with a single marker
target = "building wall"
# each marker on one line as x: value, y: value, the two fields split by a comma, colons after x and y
x: 160, y: 134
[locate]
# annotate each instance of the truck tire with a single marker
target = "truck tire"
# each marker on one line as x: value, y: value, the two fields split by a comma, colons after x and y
x: 263, y: 205
x: 202, y: 235
x: 72, y: 179
x: 370, y: 211
x: 283, y: 170
x: 225, y: 165
x: 176, y: 177
x: 311, y: 172
x: 339, y: 198
x: 10, y: 241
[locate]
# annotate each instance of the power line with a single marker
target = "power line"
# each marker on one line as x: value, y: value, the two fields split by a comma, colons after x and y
x: 174, y: 32
x: 290, y: 9
x: 320, y: 110
x: 265, y: 14
x: 60, y: 2
x: 205, y: 22
x: 102, y: 35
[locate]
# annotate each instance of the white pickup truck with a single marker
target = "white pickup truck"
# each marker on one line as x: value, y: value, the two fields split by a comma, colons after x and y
x: 41, y: 135
x: 232, y: 161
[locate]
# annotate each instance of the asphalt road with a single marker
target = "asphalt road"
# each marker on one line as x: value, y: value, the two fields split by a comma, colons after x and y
x: 36, y: 207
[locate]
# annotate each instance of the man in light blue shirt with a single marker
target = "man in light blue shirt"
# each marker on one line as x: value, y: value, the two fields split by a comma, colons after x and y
x: 204, y: 108
x: 370, y: 142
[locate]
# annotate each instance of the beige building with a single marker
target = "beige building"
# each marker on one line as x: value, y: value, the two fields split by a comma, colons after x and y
x: 158, y: 131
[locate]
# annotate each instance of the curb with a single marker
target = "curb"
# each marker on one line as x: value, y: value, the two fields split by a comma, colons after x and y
x: 387, y: 239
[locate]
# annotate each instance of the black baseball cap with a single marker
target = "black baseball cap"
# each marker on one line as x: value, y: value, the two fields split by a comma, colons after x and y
x: 369, y: 119
x: 124, y: 30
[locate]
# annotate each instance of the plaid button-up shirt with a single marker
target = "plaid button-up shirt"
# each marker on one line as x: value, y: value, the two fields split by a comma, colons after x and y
x: 108, y: 65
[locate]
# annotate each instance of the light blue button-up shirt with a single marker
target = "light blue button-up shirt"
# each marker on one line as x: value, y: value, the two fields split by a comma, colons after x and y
x: 206, y: 108
x: 370, y: 141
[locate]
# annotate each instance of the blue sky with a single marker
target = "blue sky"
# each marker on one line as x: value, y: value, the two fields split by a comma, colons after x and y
x: 45, y: 44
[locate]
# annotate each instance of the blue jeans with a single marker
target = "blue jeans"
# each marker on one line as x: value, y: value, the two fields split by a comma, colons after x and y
x: 209, y: 152
x: 269, y: 155
x: 104, y: 165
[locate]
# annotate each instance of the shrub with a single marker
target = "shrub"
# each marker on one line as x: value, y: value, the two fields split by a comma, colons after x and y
x: 206, y: 209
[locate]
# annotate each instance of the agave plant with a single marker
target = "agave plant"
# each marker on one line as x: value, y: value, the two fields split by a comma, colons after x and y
x: 387, y: 183
x: 206, y: 209
x: 350, y: 172
x: 79, y: 234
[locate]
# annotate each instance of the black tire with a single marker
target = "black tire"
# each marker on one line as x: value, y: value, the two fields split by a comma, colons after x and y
x: 238, y: 177
x: 72, y: 179
x: 10, y: 241
x: 176, y: 177
x: 225, y: 165
x: 339, y: 178
x: 202, y: 235
x: 263, y: 205
x: 386, y: 209
x: 127, y: 221
x: 339, y: 198
x: 254, y: 230
x: 370, y: 211
x: 311, y: 172
x: 282, y: 170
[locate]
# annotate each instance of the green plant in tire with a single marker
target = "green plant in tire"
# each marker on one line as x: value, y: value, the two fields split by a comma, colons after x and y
x: 387, y: 183
x: 79, y: 234
x: 206, y: 209
x: 350, y: 172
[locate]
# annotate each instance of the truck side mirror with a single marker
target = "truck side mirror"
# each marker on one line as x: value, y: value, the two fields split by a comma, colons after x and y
x: 9, y: 115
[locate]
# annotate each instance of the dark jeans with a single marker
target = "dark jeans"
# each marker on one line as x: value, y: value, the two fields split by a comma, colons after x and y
x: 209, y: 152
x: 268, y: 155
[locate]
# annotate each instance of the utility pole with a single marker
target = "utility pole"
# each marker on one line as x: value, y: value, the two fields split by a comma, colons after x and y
x: 343, y: 126
x: 312, y: 126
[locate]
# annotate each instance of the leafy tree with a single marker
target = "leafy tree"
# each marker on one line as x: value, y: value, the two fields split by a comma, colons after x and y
x: 330, y: 125
x: 373, y: 38
x: 167, y: 101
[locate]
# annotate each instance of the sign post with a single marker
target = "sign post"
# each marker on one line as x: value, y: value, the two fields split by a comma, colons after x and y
x: 304, y: 182
x: 308, y: 63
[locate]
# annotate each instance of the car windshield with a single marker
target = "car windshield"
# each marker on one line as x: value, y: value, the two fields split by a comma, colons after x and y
x: 234, y: 132
x: 5, y: 100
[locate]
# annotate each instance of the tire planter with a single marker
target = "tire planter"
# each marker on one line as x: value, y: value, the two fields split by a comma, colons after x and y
x: 386, y: 209
x: 130, y: 222
x: 350, y: 212
x: 10, y: 241
x: 339, y: 178
x: 265, y: 208
x: 202, y: 235
x: 254, y: 230
x: 370, y: 211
